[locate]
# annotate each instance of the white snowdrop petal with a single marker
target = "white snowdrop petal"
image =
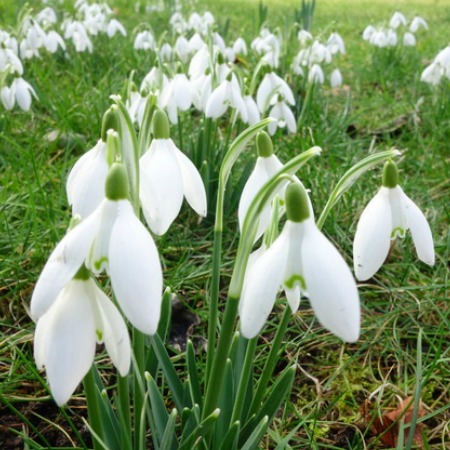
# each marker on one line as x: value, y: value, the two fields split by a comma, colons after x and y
x: 194, y: 190
x: 63, y: 264
x: 330, y: 285
x: 115, y: 333
x: 70, y: 342
x: 161, y: 186
x: 135, y: 270
x: 373, y: 236
x: 261, y: 287
x: 420, y: 231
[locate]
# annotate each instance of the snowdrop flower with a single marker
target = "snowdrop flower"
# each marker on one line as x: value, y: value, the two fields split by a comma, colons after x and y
x: 176, y: 95
x: 284, y: 117
x: 336, y: 44
x: 8, y: 57
x: 47, y: 16
x: 20, y: 91
x: 409, y: 40
x: 271, y: 85
x: 182, y: 48
x: 165, y: 52
x: 66, y: 336
x: 195, y: 43
x: 114, y: 26
x: 239, y: 46
x: 315, y: 74
x: 416, y: 23
x: 202, y: 87
x: 144, y: 41
x: 443, y: 59
x: 53, y: 40
x: 166, y: 176
x: 432, y: 74
x: 155, y: 81
x: 227, y: 94
x: 304, y: 36
x: 86, y: 182
x: 397, y: 19
x: 302, y: 260
x: 368, y: 31
x: 253, y: 115
x: 388, y: 215
x: 200, y: 62
x: 319, y: 53
x: 336, y: 78
x: 110, y: 238
x: 80, y: 39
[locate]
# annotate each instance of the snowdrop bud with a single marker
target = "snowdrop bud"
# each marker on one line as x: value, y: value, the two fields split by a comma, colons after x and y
x: 390, y: 174
x: 113, y: 146
x: 116, y: 186
x: 264, y: 145
x: 161, y: 128
x: 297, y: 204
x: 110, y: 121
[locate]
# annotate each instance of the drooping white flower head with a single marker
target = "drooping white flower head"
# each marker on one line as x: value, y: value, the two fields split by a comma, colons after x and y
x: 8, y: 57
x: 417, y: 23
x: 388, y: 215
x: 114, y: 26
x: 227, y: 94
x: 47, y: 16
x: 144, y: 41
x: 20, y: 91
x: 303, y: 261
x: 315, y: 74
x: 54, y: 40
x: 336, y: 44
x: 166, y: 176
x: 368, y: 31
x: 409, y: 40
x: 432, y: 74
x: 271, y: 85
x: 336, y: 78
x: 397, y: 19
x: 283, y: 115
x: 304, y: 36
x: 253, y: 115
x: 111, y: 238
x: 76, y: 31
x: 176, y: 96
x: 66, y: 336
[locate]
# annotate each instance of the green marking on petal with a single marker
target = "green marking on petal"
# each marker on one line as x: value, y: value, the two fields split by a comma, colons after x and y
x: 98, y: 263
x: 295, y: 279
x: 398, y: 231
x: 99, y: 334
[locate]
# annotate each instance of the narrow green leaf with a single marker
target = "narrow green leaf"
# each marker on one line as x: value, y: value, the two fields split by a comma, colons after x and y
x: 225, y: 403
x: 175, y: 385
x: 168, y: 441
x: 191, y: 420
x: 255, y: 438
x: 230, y: 440
x: 194, y: 385
x: 158, y: 409
x: 205, y: 426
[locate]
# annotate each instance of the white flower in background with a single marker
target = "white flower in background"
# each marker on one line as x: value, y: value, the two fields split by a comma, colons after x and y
x: 176, y: 96
x: 46, y: 17
x: 253, y: 115
x: 20, y: 91
x: 114, y: 26
x: 166, y: 176
x: 166, y: 52
x: 202, y: 87
x: 110, y: 238
x: 301, y: 260
x: 155, y: 81
x: 418, y: 23
x: 397, y: 19
x: 283, y: 115
x: 200, y: 62
x: 239, y: 46
x: 443, y: 59
x: 195, y: 43
x: 144, y: 41
x: 318, y: 53
x: 388, y: 215
x: 182, y: 48
x: 86, y: 182
x: 304, y: 36
x: 227, y: 94
x: 336, y: 78
x: 315, y: 74
x: 66, y: 336
x: 271, y: 85
x: 53, y: 40
x: 432, y: 74
x: 409, y: 40
x: 268, y: 45
x: 179, y: 25
x: 136, y: 106
x: 76, y: 31
x: 219, y: 42
x: 8, y: 57
x: 336, y: 44
x: 368, y: 31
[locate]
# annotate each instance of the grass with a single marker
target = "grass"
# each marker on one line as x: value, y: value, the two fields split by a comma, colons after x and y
x: 340, y: 390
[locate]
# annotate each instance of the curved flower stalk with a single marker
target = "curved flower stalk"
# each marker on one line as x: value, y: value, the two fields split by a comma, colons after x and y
x: 166, y: 176
x: 302, y: 260
x: 111, y: 238
x: 66, y: 335
x: 388, y: 215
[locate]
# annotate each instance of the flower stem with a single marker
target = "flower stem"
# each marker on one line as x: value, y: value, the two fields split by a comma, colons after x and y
x: 138, y: 401
x: 93, y: 406
x: 124, y: 406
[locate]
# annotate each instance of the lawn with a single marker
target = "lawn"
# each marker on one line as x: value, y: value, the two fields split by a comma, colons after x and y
x: 361, y: 395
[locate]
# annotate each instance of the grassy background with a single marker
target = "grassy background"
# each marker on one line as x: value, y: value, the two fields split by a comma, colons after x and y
x: 340, y: 390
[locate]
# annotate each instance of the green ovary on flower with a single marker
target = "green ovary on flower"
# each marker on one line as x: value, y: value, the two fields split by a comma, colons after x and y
x: 295, y: 279
x: 116, y: 186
